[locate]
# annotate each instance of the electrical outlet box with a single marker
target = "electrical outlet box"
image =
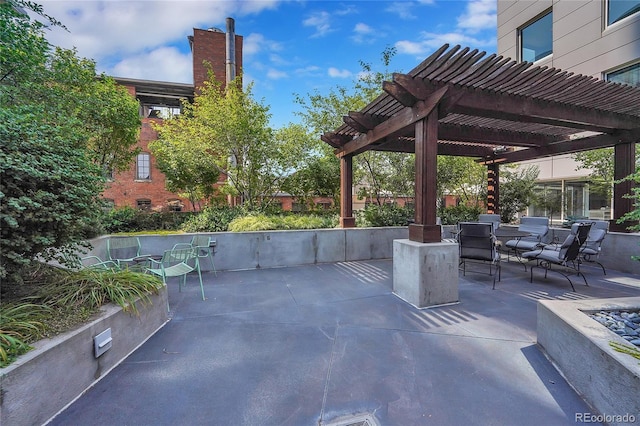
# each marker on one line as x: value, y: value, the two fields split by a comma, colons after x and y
x: 102, y: 342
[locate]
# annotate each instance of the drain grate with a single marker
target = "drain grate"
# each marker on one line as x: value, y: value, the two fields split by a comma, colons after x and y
x: 353, y: 420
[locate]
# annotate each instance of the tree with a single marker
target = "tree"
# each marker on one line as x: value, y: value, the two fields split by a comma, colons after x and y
x: 601, y: 164
x: 462, y: 177
x: 224, y: 132
x: 382, y: 175
x: 516, y: 191
x: 112, y: 121
x: 312, y: 165
x: 49, y: 187
x: 634, y: 215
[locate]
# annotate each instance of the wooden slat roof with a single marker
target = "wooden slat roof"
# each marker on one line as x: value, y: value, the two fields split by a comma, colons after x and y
x: 493, y: 101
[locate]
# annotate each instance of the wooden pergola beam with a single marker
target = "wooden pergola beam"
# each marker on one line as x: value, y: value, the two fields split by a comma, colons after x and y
x: 485, y: 103
x: 577, y: 145
x: 393, y: 125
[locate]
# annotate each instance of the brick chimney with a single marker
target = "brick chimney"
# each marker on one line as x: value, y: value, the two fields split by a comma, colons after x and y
x: 211, y: 46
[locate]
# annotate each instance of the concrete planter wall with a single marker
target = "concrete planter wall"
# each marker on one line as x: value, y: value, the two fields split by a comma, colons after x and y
x: 269, y: 249
x: 48, y: 378
x: 579, y: 347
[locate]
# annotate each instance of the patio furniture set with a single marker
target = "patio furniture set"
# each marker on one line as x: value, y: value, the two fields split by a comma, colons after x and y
x: 182, y: 259
x: 530, y: 245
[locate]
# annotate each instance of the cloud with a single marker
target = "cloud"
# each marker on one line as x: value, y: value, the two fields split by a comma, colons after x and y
x: 100, y: 29
x: 336, y: 73
x: 162, y: 64
x: 479, y: 15
x: 256, y: 43
x: 309, y: 71
x: 363, y: 33
x: 320, y: 21
x: 274, y: 74
x: 430, y: 41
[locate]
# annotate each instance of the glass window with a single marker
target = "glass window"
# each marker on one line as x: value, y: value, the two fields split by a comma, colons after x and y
x: 620, y: 9
x: 143, y: 166
x: 144, y: 204
x: 628, y: 75
x: 175, y: 205
x: 536, y: 39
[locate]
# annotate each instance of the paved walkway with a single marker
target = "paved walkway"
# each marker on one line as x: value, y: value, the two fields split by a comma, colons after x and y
x: 320, y: 344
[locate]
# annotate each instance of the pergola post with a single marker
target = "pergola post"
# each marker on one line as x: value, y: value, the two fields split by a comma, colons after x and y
x: 346, y: 188
x: 425, y: 230
x: 493, y: 188
x: 624, y: 165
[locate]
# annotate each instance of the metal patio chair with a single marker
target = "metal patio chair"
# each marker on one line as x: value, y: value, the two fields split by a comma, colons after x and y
x: 177, y: 262
x: 592, y: 248
x: 491, y: 218
x: 204, y: 246
x: 538, y: 229
x: 477, y: 243
x: 123, y: 250
x: 567, y: 256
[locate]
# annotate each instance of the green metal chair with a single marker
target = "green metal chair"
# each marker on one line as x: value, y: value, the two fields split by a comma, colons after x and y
x: 204, y: 246
x: 123, y: 250
x: 97, y: 263
x: 177, y: 262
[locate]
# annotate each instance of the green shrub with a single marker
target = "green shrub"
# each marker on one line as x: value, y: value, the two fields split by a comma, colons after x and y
x: 212, y: 219
x: 18, y: 322
x: 262, y: 222
x: 385, y: 215
x: 461, y: 213
x: 66, y: 298
x: 258, y: 222
x: 128, y: 219
x: 303, y: 222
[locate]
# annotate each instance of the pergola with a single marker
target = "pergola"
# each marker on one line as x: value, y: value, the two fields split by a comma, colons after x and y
x: 494, y: 109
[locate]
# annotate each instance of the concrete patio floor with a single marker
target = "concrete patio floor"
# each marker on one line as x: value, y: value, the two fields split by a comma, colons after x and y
x: 330, y: 344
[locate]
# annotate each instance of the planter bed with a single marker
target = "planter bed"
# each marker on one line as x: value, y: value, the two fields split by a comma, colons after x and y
x: 45, y: 380
x: 579, y: 347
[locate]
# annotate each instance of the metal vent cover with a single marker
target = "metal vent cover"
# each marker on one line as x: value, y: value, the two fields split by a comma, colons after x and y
x: 362, y: 419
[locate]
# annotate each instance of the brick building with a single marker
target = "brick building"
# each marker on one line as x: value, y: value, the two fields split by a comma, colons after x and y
x: 143, y: 185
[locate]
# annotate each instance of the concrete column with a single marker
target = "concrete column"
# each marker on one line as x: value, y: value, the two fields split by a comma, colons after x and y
x: 425, y: 274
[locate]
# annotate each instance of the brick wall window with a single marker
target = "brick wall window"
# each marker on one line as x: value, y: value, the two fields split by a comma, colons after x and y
x: 143, y: 204
x: 143, y: 166
x: 174, y: 205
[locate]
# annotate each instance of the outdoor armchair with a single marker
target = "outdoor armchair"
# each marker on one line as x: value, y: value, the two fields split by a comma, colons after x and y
x: 538, y: 230
x: 477, y: 243
x: 567, y: 256
x: 97, y: 263
x: 204, y: 248
x: 177, y: 262
x: 490, y: 218
x: 123, y: 250
x: 592, y: 248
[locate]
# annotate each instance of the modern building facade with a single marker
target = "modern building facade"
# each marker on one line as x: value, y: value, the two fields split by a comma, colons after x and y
x: 597, y: 38
x: 143, y: 185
